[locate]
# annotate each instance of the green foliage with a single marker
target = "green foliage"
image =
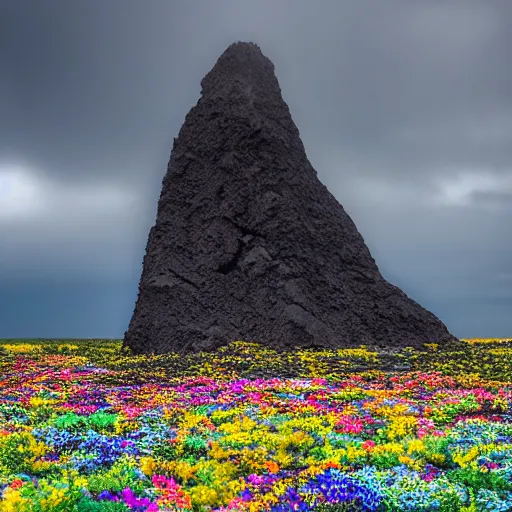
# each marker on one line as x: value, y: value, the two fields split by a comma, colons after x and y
x: 71, y: 421
x: 477, y: 480
x: 88, y: 505
x: 102, y: 422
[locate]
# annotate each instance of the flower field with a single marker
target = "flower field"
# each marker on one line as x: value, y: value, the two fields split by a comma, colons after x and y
x: 85, y: 426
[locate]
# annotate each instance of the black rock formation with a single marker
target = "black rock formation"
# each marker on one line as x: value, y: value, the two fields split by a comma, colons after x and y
x: 249, y: 245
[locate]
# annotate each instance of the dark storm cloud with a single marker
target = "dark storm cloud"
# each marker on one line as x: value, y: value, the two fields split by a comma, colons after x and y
x: 82, y: 80
x: 404, y: 107
x: 94, y: 83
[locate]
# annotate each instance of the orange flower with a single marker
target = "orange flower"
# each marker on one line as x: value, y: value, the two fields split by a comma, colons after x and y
x: 272, y: 466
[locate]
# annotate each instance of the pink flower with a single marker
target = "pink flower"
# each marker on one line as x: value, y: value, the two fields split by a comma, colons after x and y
x: 422, y: 433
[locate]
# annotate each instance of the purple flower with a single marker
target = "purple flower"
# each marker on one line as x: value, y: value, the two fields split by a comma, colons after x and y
x: 255, y: 479
x: 132, y: 501
x: 107, y: 495
x: 246, y: 495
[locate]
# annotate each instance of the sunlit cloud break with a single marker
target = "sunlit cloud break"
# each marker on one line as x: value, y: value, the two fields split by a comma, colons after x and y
x: 28, y: 195
x: 20, y: 192
x: 462, y: 189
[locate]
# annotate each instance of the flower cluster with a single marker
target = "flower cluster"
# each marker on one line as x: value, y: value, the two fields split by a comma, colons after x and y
x: 84, y: 427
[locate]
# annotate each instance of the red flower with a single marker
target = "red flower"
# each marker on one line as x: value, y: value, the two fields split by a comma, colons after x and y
x: 16, y: 484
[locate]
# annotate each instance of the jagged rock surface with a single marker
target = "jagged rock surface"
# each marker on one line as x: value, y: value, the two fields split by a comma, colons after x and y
x: 248, y: 243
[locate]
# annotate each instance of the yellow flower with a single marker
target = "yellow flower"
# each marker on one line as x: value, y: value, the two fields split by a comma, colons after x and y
x: 148, y: 465
x: 283, y: 459
x: 408, y: 461
x: 464, y: 459
x: 67, y: 346
x: 81, y: 481
x: 436, y: 458
x: 22, y: 348
x: 36, y: 401
x: 218, y: 452
x: 415, y: 446
x: 12, y: 501
x: 354, y: 453
x: 388, y: 448
x: 41, y: 465
x: 401, y: 427
x: 204, y: 495
x: 184, y: 470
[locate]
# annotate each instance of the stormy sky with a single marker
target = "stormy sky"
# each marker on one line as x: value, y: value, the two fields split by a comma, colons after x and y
x: 404, y: 108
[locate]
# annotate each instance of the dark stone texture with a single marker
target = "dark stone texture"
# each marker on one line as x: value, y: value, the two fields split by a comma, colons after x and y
x: 249, y: 245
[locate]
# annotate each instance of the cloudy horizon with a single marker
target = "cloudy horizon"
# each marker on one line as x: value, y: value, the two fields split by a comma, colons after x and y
x: 404, y: 109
